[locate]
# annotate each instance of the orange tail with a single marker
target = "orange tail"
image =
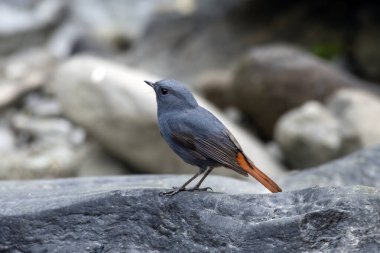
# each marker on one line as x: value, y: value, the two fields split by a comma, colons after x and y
x: 252, y: 170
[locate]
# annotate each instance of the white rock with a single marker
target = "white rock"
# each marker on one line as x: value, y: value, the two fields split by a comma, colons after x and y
x: 359, y: 110
x: 311, y: 135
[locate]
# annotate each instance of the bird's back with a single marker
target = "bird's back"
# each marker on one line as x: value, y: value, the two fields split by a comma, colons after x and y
x: 196, y: 135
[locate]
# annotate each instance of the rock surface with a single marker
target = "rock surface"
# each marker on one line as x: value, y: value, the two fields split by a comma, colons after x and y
x: 113, y: 104
x: 359, y: 110
x: 273, y: 79
x: 72, y: 216
x: 311, y: 135
x: 126, y: 214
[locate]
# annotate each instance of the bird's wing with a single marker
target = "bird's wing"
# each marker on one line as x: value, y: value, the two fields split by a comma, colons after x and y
x: 219, y: 146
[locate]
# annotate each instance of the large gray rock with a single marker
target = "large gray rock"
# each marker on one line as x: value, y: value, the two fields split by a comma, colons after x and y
x: 273, y: 79
x: 115, y: 106
x: 126, y: 214
x: 311, y: 135
x: 358, y: 110
x: 118, y: 215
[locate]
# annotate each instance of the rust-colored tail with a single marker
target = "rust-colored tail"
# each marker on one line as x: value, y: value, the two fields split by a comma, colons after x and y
x: 252, y: 170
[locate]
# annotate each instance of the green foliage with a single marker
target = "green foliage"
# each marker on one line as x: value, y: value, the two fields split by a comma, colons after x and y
x: 327, y: 49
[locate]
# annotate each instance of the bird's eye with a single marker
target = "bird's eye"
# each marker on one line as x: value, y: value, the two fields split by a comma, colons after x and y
x: 164, y: 91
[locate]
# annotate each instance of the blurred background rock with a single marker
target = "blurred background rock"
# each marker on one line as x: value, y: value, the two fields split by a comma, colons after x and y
x: 297, y: 82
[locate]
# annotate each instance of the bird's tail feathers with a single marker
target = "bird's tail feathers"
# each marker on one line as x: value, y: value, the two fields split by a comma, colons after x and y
x: 255, y: 172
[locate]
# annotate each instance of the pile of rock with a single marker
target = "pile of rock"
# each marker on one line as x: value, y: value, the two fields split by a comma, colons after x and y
x: 313, y: 111
x: 36, y: 140
x: 59, y: 114
x: 315, y: 133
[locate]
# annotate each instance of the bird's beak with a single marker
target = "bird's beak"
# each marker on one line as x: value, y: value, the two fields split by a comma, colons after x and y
x: 151, y: 84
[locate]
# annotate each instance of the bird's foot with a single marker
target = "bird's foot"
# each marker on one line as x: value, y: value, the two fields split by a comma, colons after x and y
x: 193, y: 189
x: 172, y: 192
x: 182, y: 189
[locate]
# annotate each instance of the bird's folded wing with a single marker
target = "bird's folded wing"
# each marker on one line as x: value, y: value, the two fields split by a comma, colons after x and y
x: 218, y: 147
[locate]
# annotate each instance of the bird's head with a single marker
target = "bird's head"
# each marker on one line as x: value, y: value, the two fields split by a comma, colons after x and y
x: 172, y: 95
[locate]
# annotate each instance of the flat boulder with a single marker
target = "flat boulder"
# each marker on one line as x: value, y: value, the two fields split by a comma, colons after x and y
x: 72, y: 217
x: 126, y: 214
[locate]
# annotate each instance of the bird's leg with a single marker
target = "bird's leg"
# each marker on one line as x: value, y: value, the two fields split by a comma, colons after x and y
x: 182, y: 188
x: 196, y: 187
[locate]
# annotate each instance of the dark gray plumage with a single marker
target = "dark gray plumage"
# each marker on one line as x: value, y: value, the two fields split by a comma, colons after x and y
x: 198, y: 137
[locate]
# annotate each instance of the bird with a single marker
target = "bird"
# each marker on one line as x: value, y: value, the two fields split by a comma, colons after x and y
x: 199, y: 138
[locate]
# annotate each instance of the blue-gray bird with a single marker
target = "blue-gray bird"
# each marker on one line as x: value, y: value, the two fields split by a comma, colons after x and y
x: 198, y: 137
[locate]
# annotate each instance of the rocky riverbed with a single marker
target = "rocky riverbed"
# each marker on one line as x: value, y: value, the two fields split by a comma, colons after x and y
x: 72, y: 95
x: 299, y: 90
